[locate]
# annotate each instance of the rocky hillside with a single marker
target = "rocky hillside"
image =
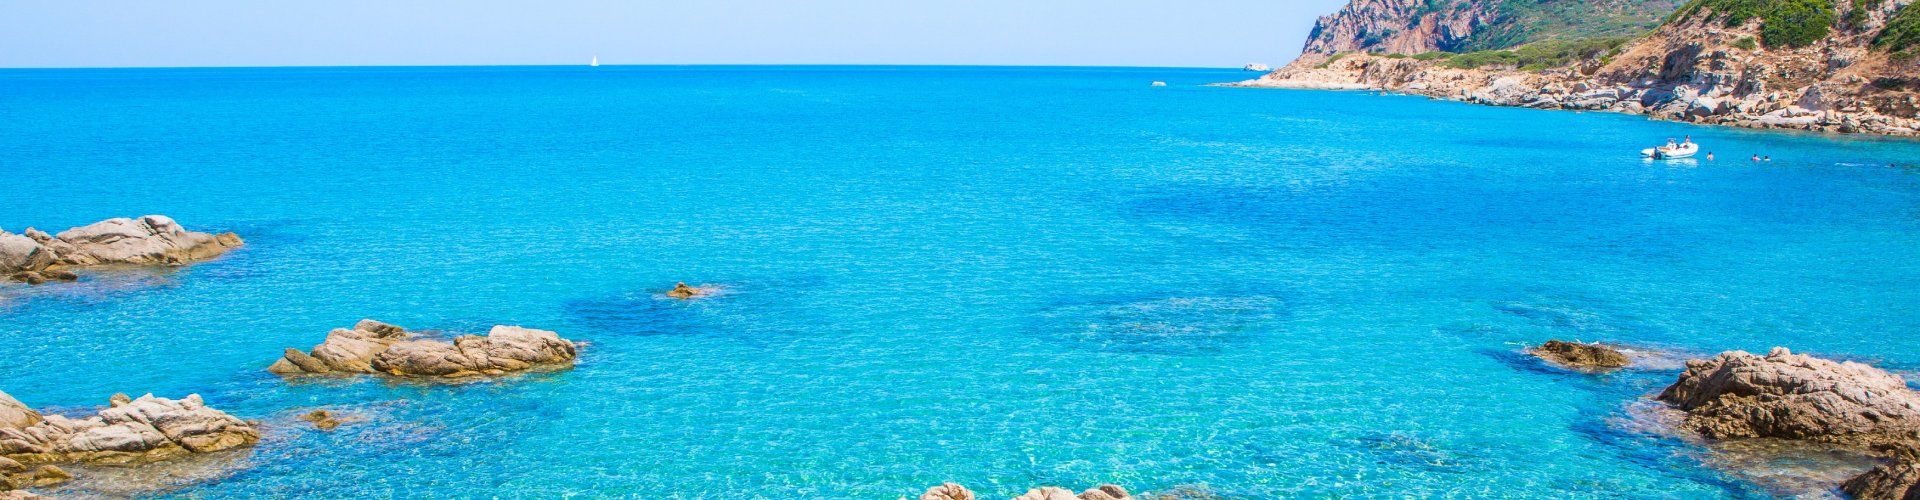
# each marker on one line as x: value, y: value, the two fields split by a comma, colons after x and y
x: 1829, y: 65
x: 1419, y: 26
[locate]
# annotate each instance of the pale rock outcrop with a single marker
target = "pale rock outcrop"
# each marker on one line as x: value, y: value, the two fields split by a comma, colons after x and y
x: 954, y: 491
x: 129, y: 431
x: 1792, y: 396
x: 948, y: 491
x: 372, y: 347
x: 36, y: 257
x: 1580, y: 355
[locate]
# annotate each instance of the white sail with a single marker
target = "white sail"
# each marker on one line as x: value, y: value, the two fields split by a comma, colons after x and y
x: 596, y: 62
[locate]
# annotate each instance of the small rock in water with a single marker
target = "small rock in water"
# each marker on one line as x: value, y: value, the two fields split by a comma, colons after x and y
x: 1580, y: 355
x: 322, y: 419
x: 682, y: 291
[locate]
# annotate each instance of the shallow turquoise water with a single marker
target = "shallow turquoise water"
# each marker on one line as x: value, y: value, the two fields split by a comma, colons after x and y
x: 1002, y: 277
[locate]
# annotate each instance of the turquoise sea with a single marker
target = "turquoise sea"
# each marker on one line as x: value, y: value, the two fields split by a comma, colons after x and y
x: 1004, y: 277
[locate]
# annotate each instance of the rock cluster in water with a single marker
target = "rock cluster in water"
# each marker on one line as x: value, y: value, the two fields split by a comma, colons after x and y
x: 372, y: 347
x: 954, y: 491
x: 35, y: 257
x: 1580, y: 355
x: 128, y: 431
x: 1796, y: 397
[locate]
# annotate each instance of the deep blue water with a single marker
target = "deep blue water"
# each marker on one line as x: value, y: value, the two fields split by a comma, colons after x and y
x: 1001, y: 277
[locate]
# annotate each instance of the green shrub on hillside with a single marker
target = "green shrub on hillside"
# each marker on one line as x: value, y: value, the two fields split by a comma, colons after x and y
x: 1746, y: 43
x: 1540, y: 55
x: 1858, y: 15
x: 1902, y: 32
x: 1784, y: 23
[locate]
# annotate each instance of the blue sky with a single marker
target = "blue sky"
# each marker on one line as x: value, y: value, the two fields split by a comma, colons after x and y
x: 93, y: 33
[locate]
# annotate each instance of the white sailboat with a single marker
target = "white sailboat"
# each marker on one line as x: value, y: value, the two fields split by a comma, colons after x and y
x: 595, y: 63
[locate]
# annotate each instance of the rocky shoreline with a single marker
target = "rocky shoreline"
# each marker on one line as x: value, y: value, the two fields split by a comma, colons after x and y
x: 35, y: 257
x: 1696, y: 69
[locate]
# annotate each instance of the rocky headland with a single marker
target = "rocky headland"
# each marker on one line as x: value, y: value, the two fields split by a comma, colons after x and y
x: 1842, y: 66
x: 376, y: 348
x: 35, y: 257
x: 130, y: 431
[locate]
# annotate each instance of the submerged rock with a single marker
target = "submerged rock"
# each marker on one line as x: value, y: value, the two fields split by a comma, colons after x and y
x: 1896, y: 480
x: 372, y: 347
x: 322, y: 419
x: 1580, y: 355
x: 135, y: 431
x: 36, y: 257
x: 954, y: 491
x: 1790, y: 396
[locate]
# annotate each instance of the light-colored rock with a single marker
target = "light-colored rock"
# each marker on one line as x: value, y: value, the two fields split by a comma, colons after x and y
x: 948, y: 491
x: 1792, y: 396
x: 149, y: 240
x: 682, y: 291
x: 137, y: 431
x: 36, y: 257
x: 372, y: 347
x: 16, y: 415
x: 954, y: 491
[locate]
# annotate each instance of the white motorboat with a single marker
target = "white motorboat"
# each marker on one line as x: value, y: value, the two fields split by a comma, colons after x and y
x: 1672, y: 151
x: 1159, y: 84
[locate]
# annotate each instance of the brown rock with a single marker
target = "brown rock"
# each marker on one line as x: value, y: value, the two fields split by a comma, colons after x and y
x: 682, y: 291
x: 322, y: 419
x: 1898, y: 479
x: 1580, y: 355
x: 1789, y: 396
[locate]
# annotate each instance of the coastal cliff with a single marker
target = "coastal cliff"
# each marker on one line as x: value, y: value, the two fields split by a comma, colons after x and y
x: 1418, y: 26
x: 1822, y: 65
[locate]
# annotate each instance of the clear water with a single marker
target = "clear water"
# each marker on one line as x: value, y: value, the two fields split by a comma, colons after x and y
x: 1002, y: 277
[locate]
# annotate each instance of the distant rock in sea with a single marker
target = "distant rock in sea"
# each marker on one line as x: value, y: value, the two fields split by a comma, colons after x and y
x: 682, y: 291
x: 35, y: 257
x: 1580, y: 355
x: 372, y: 347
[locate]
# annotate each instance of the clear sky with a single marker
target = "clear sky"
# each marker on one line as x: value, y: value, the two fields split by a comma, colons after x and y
x: 93, y: 33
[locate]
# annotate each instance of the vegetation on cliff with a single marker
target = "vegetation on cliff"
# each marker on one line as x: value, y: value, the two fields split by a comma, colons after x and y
x: 1527, y: 22
x: 1902, y: 34
x: 1783, y: 23
x: 1541, y: 55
